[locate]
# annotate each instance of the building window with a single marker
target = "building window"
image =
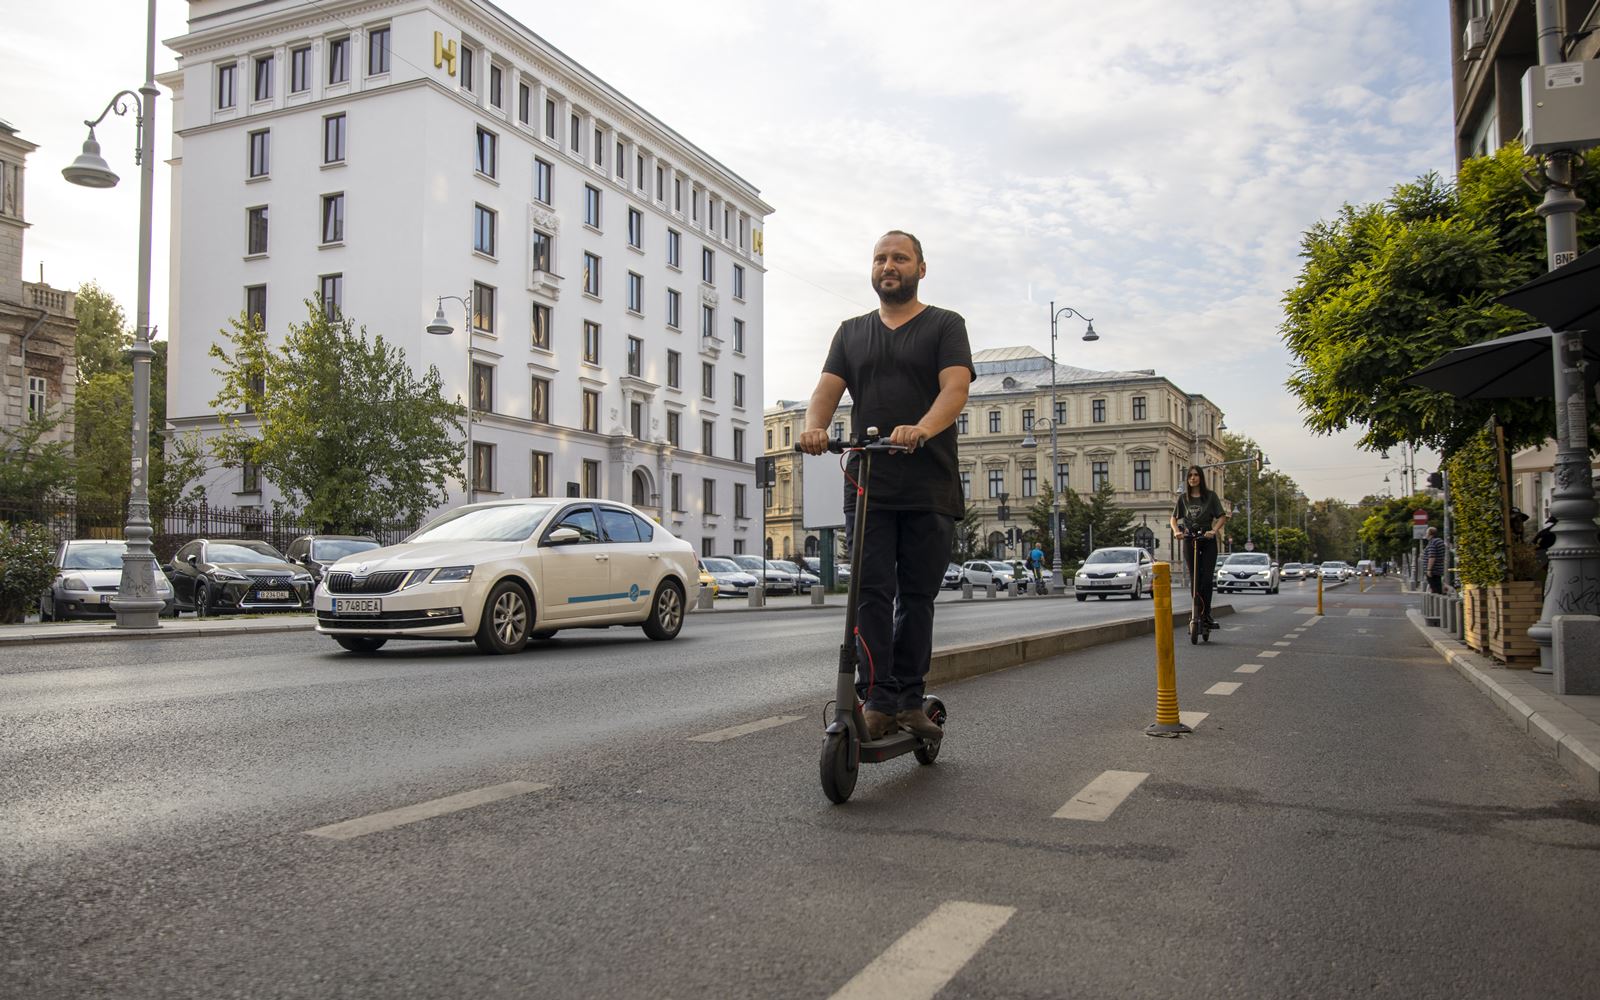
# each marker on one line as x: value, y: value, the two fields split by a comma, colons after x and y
x: 1098, y: 476
x: 635, y: 356
x: 591, y: 410
x: 677, y: 194
x: 539, y: 480
x: 574, y: 133
x: 674, y: 248
x: 330, y: 292
x: 635, y: 228
x: 708, y: 437
x: 674, y: 302
x: 635, y: 293
x: 467, y: 57
x: 38, y: 397
x: 333, y: 139
x: 591, y: 274
x: 260, y: 153
x: 638, y: 171
x: 786, y: 441
x: 591, y: 478
x: 997, y: 482
x: 1027, y: 419
x: 487, y: 155
x: 738, y: 336
x: 249, y: 478
x: 541, y: 402
x: 591, y: 342
x: 1141, y: 474
x: 524, y: 103
x: 661, y: 179
x: 838, y: 430
x: 1098, y: 409
x: 739, y: 509
x: 708, y: 321
x: 694, y: 205
x: 263, y: 81
x: 674, y: 364
x: 620, y: 163
x: 636, y: 419
x: 677, y: 492
x: 338, y: 60
x: 708, y: 266
x: 482, y: 387
x: 543, y: 181
x: 333, y: 218
x: 225, y: 86
x: 543, y: 252
x: 541, y: 326
x: 966, y: 486
x: 708, y: 495
x: 256, y: 241
x: 1062, y: 478
x: 255, y: 306
x: 769, y: 438
x: 599, y: 148
x: 738, y: 389
x: 994, y: 421
x: 1061, y: 413
x: 1030, y: 482
x: 675, y: 430
x: 483, y: 466
x: 738, y: 281
x: 961, y: 424
x: 591, y: 206
x: 550, y: 117
x: 300, y: 70
x: 483, y: 230
x: 377, y: 51
x: 708, y: 379
x: 1138, y: 408
x: 482, y: 307
x: 495, y: 76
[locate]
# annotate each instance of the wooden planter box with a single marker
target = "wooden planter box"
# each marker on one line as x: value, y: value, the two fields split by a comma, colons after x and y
x: 1475, y: 618
x: 1513, y: 609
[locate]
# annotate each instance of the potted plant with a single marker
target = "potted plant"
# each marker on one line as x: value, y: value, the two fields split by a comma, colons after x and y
x: 1501, y: 595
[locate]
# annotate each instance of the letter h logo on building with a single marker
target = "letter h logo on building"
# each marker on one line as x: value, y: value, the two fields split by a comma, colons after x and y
x: 444, y: 52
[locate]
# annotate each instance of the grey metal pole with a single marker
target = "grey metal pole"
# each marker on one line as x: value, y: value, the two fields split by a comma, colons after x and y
x: 1057, y: 580
x: 136, y: 604
x: 1574, y: 572
x: 472, y: 466
x: 1249, y: 510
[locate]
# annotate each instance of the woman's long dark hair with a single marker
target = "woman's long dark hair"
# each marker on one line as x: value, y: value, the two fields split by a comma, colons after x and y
x: 1196, y: 470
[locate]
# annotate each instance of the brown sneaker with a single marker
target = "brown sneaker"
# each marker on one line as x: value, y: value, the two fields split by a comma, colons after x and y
x: 917, y: 722
x: 879, y: 724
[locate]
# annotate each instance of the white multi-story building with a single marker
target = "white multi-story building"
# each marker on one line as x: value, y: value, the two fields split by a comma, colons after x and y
x: 374, y: 155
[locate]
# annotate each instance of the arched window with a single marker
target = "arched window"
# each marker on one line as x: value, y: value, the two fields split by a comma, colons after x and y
x: 641, y: 488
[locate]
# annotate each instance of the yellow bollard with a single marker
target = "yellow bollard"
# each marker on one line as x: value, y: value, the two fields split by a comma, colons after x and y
x: 1166, y: 723
x: 1319, y: 592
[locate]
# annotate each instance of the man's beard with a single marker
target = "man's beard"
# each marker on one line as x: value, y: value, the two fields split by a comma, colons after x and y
x: 905, y: 292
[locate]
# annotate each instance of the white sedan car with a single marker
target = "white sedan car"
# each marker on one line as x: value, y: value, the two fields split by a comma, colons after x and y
x: 1128, y: 571
x: 1247, y: 571
x: 504, y: 572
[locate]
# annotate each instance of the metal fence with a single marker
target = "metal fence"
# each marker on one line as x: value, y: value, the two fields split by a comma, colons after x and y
x: 67, y: 518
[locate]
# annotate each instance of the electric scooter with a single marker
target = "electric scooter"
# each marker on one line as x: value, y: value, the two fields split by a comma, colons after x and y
x: 845, y: 746
x: 1199, y: 629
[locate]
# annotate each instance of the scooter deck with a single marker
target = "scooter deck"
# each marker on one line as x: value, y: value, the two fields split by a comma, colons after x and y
x: 892, y: 746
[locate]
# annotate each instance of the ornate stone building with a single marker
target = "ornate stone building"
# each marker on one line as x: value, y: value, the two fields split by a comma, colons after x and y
x: 38, y: 327
x: 1135, y: 430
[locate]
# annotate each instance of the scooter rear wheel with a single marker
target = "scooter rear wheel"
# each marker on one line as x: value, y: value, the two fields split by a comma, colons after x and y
x: 929, y: 752
x: 839, y: 767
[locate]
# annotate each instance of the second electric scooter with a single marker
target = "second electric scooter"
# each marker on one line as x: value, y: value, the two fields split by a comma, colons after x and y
x: 845, y: 746
x: 1199, y: 615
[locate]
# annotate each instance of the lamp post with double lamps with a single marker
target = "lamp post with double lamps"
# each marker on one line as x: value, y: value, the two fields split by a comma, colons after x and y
x: 440, y: 327
x: 136, y: 604
x: 1057, y: 580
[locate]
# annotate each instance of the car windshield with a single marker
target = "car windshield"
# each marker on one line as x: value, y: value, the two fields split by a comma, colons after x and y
x: 721, y: 565
x: 1003, y: 567
x: 509, y: 523
x: 1114, y: 556
x: 1332, y: 565
x: 334, y: 549
x: 787, y: 567
x: 1249, y: 559
x: 94, y: 556
x: 241, y: 552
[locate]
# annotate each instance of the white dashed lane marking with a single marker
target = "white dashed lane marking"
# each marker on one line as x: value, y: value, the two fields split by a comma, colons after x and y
x: 1359, y: 612
x: 360, y: 827
x: 1269, y: 653
x: 1248, y: 668
x: 1224, y: 687
x: 1192, y: 719
x: 1254, y: 611
x: 1283, y: 644
x: 1292, y: 635
x: 734, y: 732
x: 1101, y: 797
x: 929, y: 955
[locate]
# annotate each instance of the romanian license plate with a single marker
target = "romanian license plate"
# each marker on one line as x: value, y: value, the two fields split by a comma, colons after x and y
x: 273, y: 595
x: 358, y: 605
x: 105, y: 598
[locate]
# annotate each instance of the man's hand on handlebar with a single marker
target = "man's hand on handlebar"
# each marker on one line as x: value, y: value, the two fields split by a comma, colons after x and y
x: 908, y: 436
x: 813, y: 441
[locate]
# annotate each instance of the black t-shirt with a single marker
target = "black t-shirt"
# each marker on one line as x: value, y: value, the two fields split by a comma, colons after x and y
x: 893, y: 378
x: 1198, y: 514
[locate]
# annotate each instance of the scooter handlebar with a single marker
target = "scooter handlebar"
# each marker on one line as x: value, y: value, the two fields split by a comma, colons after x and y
x: 839, y: 447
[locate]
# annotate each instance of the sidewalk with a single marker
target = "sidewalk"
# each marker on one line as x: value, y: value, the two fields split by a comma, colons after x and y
x: 1566, y: 726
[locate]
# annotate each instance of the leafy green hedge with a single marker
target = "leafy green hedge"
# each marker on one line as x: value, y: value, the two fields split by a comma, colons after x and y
x: 27, y: 567
x: 1475, y: 499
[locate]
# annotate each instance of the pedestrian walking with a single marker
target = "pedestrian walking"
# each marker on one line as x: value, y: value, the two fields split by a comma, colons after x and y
x: 908, y: 367
x: 1433, y: 559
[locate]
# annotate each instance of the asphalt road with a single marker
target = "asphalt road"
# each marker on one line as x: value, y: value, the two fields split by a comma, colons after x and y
x: 1353, y: 818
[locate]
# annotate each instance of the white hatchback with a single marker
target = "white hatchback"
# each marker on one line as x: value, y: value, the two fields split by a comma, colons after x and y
x: 504, y: 572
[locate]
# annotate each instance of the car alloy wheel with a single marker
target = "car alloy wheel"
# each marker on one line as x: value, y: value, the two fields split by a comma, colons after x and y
x: 506, y: 617
x: 201, y: 599
x: 666, y: 612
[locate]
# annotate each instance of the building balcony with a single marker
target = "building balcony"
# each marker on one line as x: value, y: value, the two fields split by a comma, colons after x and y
x: 544, y: 283
x: 55, y: 301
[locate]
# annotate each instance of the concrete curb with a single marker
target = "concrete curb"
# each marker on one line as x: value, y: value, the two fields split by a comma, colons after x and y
x: 65, y: 632
x: 1567, y: 735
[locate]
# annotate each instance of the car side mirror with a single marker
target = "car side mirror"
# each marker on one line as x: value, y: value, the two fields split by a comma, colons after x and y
x: 563, y: 536
x: 192, y: 559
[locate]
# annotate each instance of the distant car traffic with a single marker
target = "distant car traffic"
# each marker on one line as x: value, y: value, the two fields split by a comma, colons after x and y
x: 89, y: 570
x: 1336, y: 570
x: 317, y: 552
x: 1292, y: 571
x: 776, y: 580
x: 1118, y: 570
x: 503, y: 572
x: 224, y: 575
x: 1247, y: 571
x: 732, y: 581
x: 979, y: 572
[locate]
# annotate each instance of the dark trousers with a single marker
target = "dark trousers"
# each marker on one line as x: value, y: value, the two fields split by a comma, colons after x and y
x: 902, y: 568
x: 1436, y: 583
x: 1201, y: 556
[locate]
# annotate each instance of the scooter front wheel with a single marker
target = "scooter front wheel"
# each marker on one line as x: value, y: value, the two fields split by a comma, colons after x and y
x: 839, y: 767
x: 1194, y: 632
x: 927, y: 753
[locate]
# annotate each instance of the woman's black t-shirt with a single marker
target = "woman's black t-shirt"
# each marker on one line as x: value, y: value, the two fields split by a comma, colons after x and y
x: 893, y: 378
x: 1198, y: 514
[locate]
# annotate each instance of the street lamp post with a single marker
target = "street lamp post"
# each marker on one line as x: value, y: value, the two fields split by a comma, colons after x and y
x: 440, y: 327
x: 1089, y: 335
x: 136, y: 604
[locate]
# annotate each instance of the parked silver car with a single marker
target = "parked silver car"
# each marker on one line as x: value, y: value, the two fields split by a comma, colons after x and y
x: 89, y: 571
x: 803, y: 581
x: 777, y: 581
x: 731, y: 580
x: 1117, y: 570
x: 1248, y: 571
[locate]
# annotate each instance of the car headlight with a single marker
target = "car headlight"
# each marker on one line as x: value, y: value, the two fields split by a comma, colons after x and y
x: 452, y: 574
x: 1123, y: 575
x: 74, y: 583
x: 227, y: 574
x: 301, y: 578
x: 162, y: 586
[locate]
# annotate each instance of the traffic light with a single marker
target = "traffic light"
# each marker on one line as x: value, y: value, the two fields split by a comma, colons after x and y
x: 1261, y: 460
x: 766, y: 471
x: 1087, y: 537
x: 1003, y: 513
x: 1436, y: 480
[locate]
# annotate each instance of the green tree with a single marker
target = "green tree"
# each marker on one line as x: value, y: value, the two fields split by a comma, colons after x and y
x: 1386, y: 531
x: 1292, y: 544
x: 1112, y: 524
x: 1387, y: 288
x: 1333, y: 526
x: 103, y: 337
x: 31, y: 466
x: 345, y: 430
x: 27, y: 565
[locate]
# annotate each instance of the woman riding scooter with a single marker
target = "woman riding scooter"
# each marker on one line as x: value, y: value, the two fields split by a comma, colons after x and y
x: 1199, y: 517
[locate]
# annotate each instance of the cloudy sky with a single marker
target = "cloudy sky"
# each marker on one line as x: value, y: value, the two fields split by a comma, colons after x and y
x: 1151, y: 163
